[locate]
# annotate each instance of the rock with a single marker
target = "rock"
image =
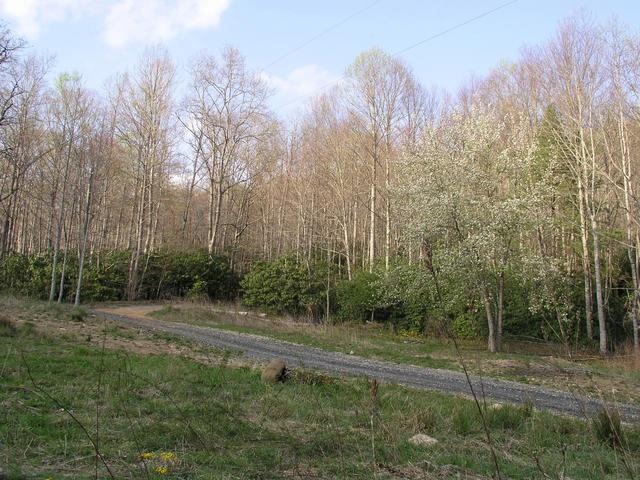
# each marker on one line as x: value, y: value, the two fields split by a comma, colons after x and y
x: 274, y: 371
x: 423, y: 440
x: 262, y: 315
x: 244, y: 314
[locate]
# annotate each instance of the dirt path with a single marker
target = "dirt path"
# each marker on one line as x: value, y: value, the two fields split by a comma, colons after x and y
x: 133, y: 311
x: 263, y: 348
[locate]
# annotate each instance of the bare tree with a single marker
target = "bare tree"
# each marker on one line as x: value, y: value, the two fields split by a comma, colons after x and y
x: 225, y: 114
x: 144, y: 128
x: 68, y: 110
x: 376, y: 87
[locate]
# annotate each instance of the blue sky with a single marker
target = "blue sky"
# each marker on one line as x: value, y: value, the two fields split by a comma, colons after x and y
x: 100, y: 37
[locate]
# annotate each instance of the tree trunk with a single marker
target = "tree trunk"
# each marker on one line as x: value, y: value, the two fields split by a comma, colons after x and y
x: 387, y: 229
x: 500, y: 312
x: 217, y: 210
x: 54, y: 263
x: 586, y: 261
x: 598, y: 279
x: 372, y: 221
x: 491, y: 321
x: 85, y: 236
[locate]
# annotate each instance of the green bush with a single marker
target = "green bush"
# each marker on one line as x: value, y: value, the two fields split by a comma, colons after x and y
x: 465, y: 326
x: 163, y: 274
x: 359, y: 297
x: 15, y: 274
x: 520, y: 318
x: 173, y: 274
x: 284, y: 286
x: 198, y: 290
x: 401, y: 296
x: 25, y: 275
x: 408, y: 294
x: 105, y: 276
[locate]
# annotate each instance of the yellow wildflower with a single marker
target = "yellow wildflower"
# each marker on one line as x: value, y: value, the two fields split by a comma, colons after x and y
x: 162, y: 470
x: 168, y: 457
x: 148, y: 456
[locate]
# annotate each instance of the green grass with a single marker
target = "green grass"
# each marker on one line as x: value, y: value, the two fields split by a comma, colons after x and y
x: 221, y: 422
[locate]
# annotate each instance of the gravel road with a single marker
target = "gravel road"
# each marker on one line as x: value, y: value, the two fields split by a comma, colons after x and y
x: 263, y: 348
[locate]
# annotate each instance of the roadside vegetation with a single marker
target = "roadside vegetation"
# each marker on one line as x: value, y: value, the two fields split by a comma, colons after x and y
x: 154, y: 415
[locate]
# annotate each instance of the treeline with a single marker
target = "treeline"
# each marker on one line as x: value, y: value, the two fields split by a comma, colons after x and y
x: 404, y: 297
x: 523, y: 181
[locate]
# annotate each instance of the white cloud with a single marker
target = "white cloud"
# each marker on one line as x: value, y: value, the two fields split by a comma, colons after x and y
x: 150, y: 21
x: 125, y: 21
x: 300, y: 83
x: 29, y: 16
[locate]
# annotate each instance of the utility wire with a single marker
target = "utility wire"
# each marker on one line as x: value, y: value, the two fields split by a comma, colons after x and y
x: 410, y: 47
x: 455, y: 27
x: 321, y: 34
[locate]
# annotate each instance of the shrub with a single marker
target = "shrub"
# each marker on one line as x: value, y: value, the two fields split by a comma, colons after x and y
x: 169, y: 273
x: 359, y: 297
x: 409, y: 289
x: 465, y: 326
x: 14, y: 273
x: 163, y: 274
x: 198, y: 290
x: 105, y: 277
x: 26, y: 275
x: 283, y: 286
x: 27, y: 329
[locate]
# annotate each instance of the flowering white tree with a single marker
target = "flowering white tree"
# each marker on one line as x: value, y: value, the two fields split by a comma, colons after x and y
x: 465, y: 194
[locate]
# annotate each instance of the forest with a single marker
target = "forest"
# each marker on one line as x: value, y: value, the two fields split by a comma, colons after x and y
x: 507, y: 208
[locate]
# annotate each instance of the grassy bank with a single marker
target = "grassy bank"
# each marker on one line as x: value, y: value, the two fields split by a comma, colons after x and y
x: 166, y: 416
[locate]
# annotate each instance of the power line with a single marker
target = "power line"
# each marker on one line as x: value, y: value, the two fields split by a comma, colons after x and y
x: 321, y: 34
x: 410, y: 47
x: 455, y: 27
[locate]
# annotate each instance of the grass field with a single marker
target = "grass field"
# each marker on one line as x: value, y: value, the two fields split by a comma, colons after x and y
x: 67, y: 381
x: 537, y: 363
